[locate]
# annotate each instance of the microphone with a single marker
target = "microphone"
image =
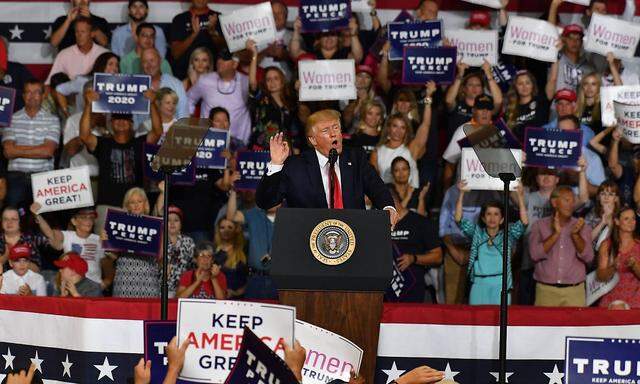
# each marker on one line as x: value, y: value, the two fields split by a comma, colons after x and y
x: 333, y: 156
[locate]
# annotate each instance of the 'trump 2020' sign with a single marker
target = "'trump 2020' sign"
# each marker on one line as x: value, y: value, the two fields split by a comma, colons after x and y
x: 121, y: 93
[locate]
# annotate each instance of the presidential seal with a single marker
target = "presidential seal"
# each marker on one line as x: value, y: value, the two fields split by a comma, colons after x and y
x: 332, y: 242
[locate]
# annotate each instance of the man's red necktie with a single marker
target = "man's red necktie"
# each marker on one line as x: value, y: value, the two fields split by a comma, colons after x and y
x: 337, y: 192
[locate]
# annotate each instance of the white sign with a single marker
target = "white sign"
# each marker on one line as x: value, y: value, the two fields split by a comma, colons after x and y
x: 628, y: 117
x: 487, y: 3
x: 624, y: 94
x: 472, y: 171
x: 67, y: 188
x: 531, y: 38
x: 329, y: 355
x: 360, y: 6
x: 475, y: 46
x: 327, y: 80
x: 609, y: 34
x: 214, y: 329
x: 595, y: 289
x: 254, y: 22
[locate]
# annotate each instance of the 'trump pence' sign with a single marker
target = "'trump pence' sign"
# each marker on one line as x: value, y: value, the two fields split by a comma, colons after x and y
x: 601, y: 360
x: 327, y: 80
x: 214, y: 329
x: 252, y: 166
x: 475, y: 46
x: 473, y: 172
x: 423, y: 64
x: 609, y: 34
x: 628, y: 116
x: 121, y: 93
x: 62, y: 189
x: 255, y: 22
x: 414, y: 34
x: 329, y: 356
x: 7, y: 98
x: 629, y: 94
x: 324, y: 15
x: 531, y: 38
x: 132, y: 233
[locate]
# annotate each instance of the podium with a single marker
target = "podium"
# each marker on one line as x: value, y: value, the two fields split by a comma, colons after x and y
x: 334, y: 266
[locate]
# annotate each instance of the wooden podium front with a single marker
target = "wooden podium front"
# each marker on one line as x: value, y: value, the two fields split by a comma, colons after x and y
x: 345, y: 298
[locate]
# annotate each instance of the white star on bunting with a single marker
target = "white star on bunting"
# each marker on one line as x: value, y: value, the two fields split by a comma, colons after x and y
x: 66, y: 366
x: 8, y: 359
x: 16, y: 32
x: 105, y: 369
x: 37, y: 361
x: 556, y: 376
x: 392, y: 373
x: 47, y: 33
x: 506, y: 376
x: 449, y: 374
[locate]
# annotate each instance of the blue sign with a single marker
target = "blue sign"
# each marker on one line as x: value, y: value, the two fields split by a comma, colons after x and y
x: 7, y: 100
x: 420, y: 64
x: 599, y: 360
x: 251, y: 165
x: 257, y: 363
x: 209, y: 153
x: 132, y: 233
x: 510, y: 140
x: 185, y: 177
x: 157, y: 335
x: 404, y: 16
x: 552, y: 148
x: 503, y: 74
x: 416, y: 34
x: 121, y: 93
x: 324, y: 15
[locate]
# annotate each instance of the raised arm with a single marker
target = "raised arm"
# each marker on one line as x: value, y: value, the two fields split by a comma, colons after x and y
x: 419, y: 143
x: 553, y: 11
x: 179, y: 47
x: 356, y: 48
x: 462, y: 187
x: 87, y: 137
x: 452, y: 91
x: 613, y: 160
x: 295, y: 45
x: 550, y: 88
x: 253, y: 67
x: 58, y: 34
x: 382, y: 77
x: 54, y: 236
x: 596, y: 141
x: 583, y: 183
x: 156, y: 121
x: 494, y: 88
x: 522, y: 206
x: 613, y: 68
x: 503, y: 16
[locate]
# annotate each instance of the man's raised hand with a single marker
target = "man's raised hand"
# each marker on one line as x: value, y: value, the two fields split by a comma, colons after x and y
x: 279, y: 149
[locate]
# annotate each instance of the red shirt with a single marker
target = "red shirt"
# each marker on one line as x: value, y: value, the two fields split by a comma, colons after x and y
x: 205, y: 290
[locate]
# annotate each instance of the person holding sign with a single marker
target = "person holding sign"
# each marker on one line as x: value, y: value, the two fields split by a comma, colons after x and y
x: 526, y: 107
x: 303, y: 180
x: 327, y: 44
x: 485, y: 257
x: 207, y: 281
x: 572, y: 64
x: 621, y: 254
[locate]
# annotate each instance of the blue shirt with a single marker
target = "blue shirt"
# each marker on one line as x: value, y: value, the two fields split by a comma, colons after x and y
x: 587, y: 132
x: 122, y: 40
x: 182, y: 109
x: 260, y: 236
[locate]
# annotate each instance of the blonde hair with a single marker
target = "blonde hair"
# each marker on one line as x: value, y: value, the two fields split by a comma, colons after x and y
x: 136, y: 191
x: 366, y: 106
x: 237, y: 255
x: 582, y: 100
x: 387, y: 125
x: 413, y: 114
x: 193, y: 55
x: 165, y: 91
x: 319, y: 117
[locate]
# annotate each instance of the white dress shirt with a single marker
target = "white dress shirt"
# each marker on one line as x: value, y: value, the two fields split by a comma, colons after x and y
x: 11, y: 282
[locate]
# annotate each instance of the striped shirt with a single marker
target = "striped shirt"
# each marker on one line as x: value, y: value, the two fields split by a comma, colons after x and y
x: 25, y: 130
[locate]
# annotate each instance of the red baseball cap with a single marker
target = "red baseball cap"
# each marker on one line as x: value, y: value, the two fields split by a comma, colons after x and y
x: 482, y: 18
x: 73, y: 261
x: 364, y: 68
x: 20, y: 251
x: 566, y: 94
x: 306, y: 56
x: 176, y: 210
x: 572, y: 28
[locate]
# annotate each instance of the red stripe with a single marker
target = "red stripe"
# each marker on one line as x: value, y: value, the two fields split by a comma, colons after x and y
x: 142, y: 309
x: 39, y: 71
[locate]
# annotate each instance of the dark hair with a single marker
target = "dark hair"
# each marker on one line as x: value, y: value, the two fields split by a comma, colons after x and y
x: 142, y: 26
x: 399, y: 159
x: 21, y: 213
x: 33, y: 82
x: 485, y: 207
x: 287, y: 94
x: 216, y: 110
x: 204, y: 246
x: 58, y: 79
x: 101, y: 62
x: 83, y: 19
x: 425, y: 1
x: 573, y: 118
x: 615, y: 232
x: 610, y: 185
x: 286, y: 9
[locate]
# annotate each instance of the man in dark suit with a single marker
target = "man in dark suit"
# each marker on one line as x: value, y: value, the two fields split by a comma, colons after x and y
x: 303, y: 181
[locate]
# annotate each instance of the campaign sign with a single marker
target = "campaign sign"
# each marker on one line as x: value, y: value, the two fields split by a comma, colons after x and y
x: 252, y: 166
x: 362, y: 6
x: 121, y: 93
x: 7, y: 100
x: 132, y: 233
x: 579, y: 2
x: 474, y: 47
x: 185, y: 177
x: 327, y: 80
x: 254, y: 22
x: 487, y: 3
x: 209, y: 153
x: 67, y: 188
x: 598, y: 360
x: 533, y: 38
x: 595, y: 288
x: 258, y: 364
x: 503, y: 73
x: 329, y: 355
x: 324, y: 15
x: 629, y: 94
x: 214, y: 329
x: 628, y: 117
x: 416, y: 34
x: 157, y: 335
x: 552, y: 148
x: 420, y: 65
x: 473, y: 172
x: 609, y: 34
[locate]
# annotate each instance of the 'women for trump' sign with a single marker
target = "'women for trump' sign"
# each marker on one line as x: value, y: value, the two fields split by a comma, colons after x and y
x: 609, y: 34
x: 255, y: 22
x: 531, y: 38
x: 327, y: 80
x: 474, y: 47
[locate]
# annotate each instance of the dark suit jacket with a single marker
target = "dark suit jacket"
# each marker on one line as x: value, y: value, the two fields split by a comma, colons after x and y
x: 299, y: 183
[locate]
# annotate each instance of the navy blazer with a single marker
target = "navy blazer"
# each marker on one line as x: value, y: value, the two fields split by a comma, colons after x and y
x: 299, y: 183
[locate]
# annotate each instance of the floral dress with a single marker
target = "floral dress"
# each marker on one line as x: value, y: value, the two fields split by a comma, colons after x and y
x: 269, y: 119
x: 628, y: 288
x: 180, y: 260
